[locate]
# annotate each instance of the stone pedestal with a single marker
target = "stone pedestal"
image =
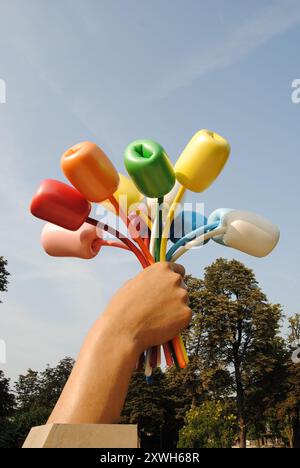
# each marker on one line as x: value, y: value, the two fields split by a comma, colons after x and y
x: 83, y: 436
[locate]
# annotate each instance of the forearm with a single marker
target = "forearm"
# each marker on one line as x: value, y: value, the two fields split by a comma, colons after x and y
x: 97, y: 387
x: 149, y: 310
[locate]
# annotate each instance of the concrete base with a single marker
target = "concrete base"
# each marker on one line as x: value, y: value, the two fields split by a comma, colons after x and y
x: 83, y: 436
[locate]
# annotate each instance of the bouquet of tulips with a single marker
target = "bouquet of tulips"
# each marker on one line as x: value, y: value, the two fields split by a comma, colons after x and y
x: 149, y: 203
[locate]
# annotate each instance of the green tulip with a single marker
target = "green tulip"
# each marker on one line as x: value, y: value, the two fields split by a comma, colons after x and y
x: 150, y: 168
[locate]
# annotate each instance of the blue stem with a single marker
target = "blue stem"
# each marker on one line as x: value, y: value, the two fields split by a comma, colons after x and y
x: 189, y: 237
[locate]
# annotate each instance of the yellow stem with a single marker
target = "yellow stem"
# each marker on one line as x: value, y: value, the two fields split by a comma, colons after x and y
x: 170, y: 217
x: 145, y: 218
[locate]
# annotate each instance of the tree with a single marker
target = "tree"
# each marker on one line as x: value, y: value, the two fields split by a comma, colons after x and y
x: 294, y: 327
x: 36, y: 395
x: 7, y: 405
x: 3, y: 275
x: 18, y: 427
x: 211, y: 425
x: 7, y: 399
x: 182, y: 393
x: 207, y: 378
x: 198, y: 381
x: 236, y: 333
x: 289, y: 408
x: 146, y: 406
x: 52, y: 381
x: 38, y: 390
x: 27, y: 391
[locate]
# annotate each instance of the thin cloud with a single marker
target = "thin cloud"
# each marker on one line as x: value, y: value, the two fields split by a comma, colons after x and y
x: 242, y: 41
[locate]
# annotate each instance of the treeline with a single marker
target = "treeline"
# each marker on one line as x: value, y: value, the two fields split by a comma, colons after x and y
x: 241, y: 382
x: 31, y: 401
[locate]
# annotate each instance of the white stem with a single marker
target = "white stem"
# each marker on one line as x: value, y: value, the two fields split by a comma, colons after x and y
x: 158, y: 356
x: 198, y: 241
x: 154, y: 234
x: 148, y: 368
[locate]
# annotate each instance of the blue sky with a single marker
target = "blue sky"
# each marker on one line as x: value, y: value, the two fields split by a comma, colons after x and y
x: 114, y: 71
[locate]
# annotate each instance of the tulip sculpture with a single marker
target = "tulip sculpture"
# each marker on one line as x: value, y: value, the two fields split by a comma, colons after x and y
x: 150, y: 224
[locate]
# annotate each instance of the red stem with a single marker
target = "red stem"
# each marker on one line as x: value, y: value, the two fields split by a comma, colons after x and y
x: 125, y: 240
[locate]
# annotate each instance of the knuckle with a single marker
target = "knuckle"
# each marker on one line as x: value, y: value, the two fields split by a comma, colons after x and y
x: 163, y: 266
x: 182, y: 269
x: 177, y: 278
x: 183, y: 294
x: 187, y: 314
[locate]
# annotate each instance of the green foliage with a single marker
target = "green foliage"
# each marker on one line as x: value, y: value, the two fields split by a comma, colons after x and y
x: 18, y: 427
x: 53, y: 380
x: 289, y: 403
x: 7, y: 399
x: 7, y: 433
x: 210, y: 425
x: 28, y: 390
x: 234, y: 333
x: 38, y: 390
x: 145, y: 403
x: 3, y: 275
x: 294, y: 327
x: 36, y: 395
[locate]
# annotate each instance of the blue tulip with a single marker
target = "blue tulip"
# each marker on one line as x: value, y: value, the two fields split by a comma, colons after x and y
x: 186, y: 222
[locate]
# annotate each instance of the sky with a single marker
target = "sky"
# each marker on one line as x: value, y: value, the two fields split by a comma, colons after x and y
x: 112, y: 71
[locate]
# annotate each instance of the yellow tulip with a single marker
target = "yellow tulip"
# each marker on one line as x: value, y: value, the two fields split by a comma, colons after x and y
x: 127, y: 195
x: 202, y: 160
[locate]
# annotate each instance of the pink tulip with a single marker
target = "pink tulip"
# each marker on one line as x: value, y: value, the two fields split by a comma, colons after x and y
x: 83, y: 243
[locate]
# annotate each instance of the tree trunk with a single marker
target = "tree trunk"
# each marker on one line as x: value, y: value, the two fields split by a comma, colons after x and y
x: 240, y: 408
x: 194, y: 401
x: 241, y: 421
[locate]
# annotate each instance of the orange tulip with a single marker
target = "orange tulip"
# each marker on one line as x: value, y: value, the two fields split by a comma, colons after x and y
x: 90, y: 171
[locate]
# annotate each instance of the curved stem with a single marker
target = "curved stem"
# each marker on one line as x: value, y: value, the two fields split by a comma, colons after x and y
x: 144, y: 217
x: 125, y: 219
x: 196, y: 242
x: 118, y: 245
x: 125, y: 240
x: 190, y: 237
x: 170, y: 217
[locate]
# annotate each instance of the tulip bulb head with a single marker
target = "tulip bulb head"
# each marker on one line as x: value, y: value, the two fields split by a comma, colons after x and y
x: 185, y: 222
x: 60, y: 204
x: 202, y: 160
x: 83, y: 243
x: 90, y: 171
x: 248, y: 232
x: 149, y: 167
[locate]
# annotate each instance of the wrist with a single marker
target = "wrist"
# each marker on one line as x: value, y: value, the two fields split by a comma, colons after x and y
x: 111, y: 329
